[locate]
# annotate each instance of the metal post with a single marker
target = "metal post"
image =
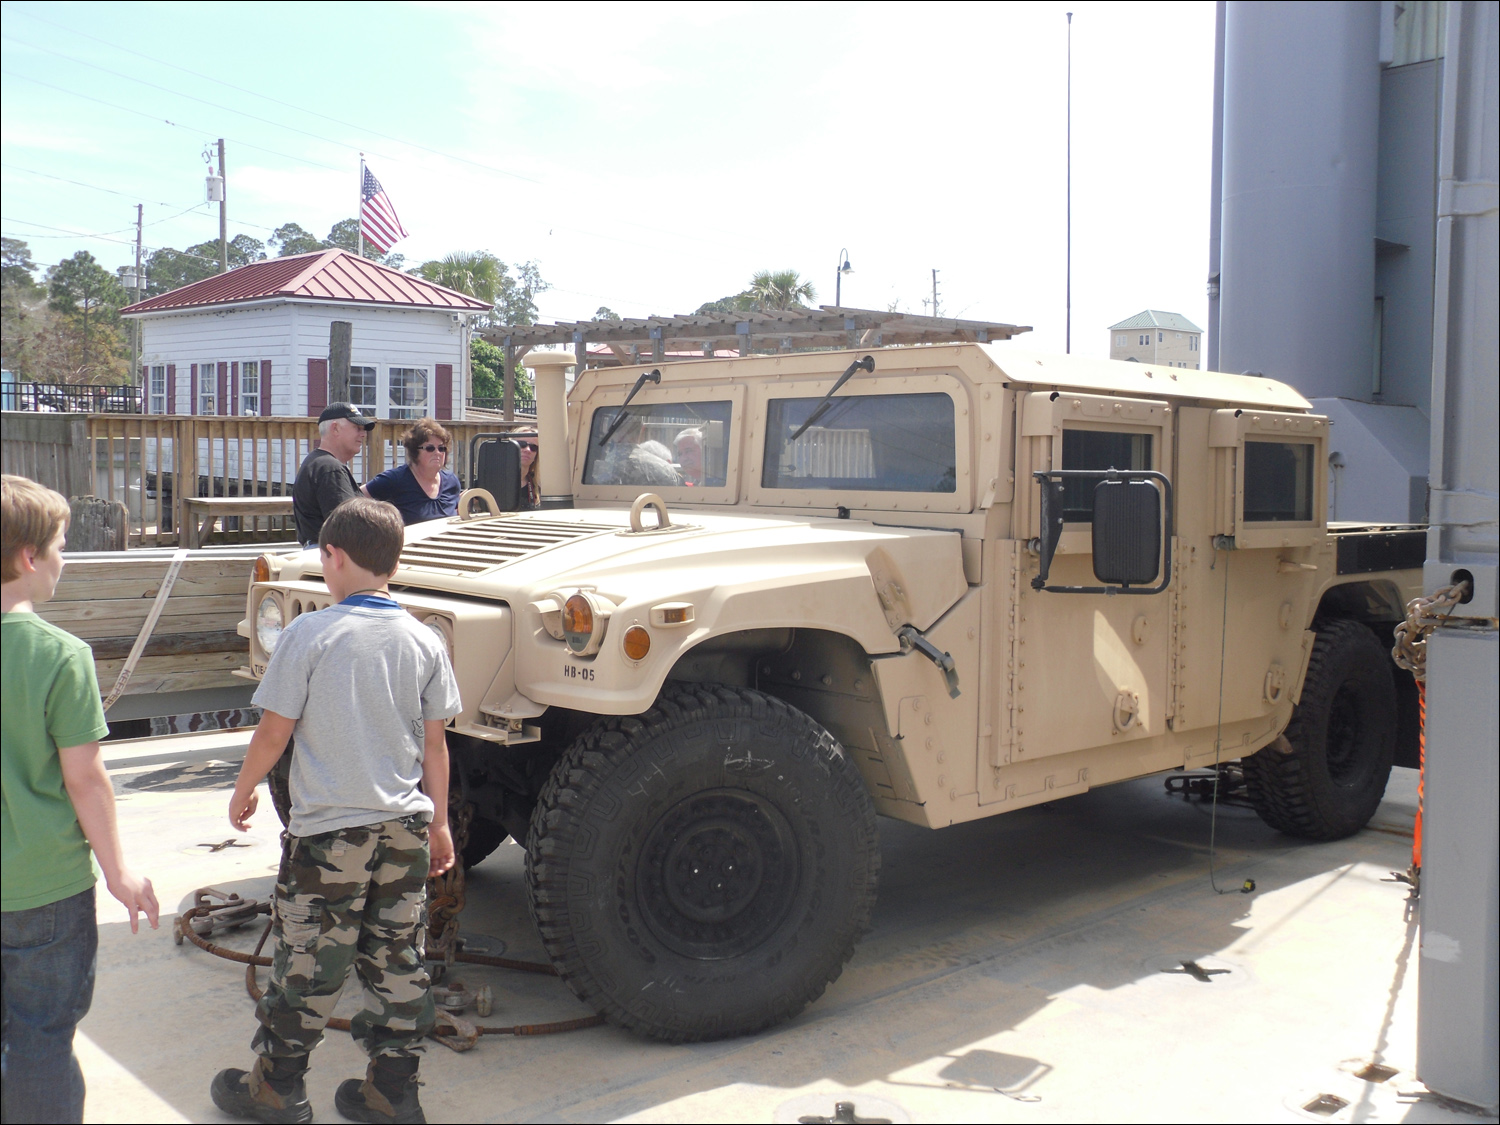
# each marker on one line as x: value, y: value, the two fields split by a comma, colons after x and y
x: 359, y: 211
x: 1068, y: 319
x: 223, y: 213
x: 135, y: 323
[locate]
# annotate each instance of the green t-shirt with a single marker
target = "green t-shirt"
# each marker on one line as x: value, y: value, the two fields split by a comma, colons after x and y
x: 49, y: 698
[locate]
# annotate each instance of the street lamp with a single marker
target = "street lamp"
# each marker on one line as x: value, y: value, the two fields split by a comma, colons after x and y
x: 838, y: 278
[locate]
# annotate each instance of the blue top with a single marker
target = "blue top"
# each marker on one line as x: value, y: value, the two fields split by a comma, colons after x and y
x: 371, y: 601
x: 399, y: 486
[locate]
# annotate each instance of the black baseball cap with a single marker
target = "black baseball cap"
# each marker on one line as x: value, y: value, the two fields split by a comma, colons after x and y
x: 349, y: 412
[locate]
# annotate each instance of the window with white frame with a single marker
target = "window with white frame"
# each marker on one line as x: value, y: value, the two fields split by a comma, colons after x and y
x: 1144, y: 340
x: 1161, y: 337
x: 156, y: 389
x: 362, y: 388
x: 250, y: 389
x: 406, y: 392
x: 208, y: 388
x: 1120, y: 340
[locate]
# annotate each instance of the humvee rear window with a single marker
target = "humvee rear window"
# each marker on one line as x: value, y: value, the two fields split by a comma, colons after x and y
x: 864, y: 443
x: 661, y: 445
x: 1278, y: 482
x: 1098, y: 449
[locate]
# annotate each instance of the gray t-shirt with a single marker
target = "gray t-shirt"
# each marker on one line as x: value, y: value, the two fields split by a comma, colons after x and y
x: 360, y: 679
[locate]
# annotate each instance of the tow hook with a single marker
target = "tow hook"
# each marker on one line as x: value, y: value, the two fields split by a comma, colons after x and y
x: 911, y: 639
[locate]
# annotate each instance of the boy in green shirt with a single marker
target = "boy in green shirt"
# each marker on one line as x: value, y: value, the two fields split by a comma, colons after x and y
x: 58, y: 804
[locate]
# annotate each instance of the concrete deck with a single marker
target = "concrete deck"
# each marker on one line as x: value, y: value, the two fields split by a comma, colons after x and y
x: 1017, y: 971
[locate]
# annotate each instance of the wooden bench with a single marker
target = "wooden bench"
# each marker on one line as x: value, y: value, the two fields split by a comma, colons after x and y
x: 203, y: 513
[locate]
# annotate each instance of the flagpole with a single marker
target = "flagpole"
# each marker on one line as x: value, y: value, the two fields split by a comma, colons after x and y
x: 359, y: 214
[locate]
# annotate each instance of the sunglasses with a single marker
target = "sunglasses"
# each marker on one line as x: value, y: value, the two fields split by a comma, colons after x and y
x: 528, y: 445
x: 430, y: 448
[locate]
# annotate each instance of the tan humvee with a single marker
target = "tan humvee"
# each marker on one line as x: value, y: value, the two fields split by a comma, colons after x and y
x: 770, y: 613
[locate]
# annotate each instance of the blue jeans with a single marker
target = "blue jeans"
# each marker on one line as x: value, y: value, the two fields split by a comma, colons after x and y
x: 48, y: 960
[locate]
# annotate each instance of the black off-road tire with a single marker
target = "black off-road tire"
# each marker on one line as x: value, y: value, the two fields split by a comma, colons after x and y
x: 703, y: 870
x: 1343, y: 739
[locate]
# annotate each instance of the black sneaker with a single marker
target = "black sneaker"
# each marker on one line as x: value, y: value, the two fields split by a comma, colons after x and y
x: 387, y: 1093
x: 272, y: 1091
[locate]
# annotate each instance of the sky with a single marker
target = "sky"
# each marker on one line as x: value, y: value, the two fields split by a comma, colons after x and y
x: 647, y: 157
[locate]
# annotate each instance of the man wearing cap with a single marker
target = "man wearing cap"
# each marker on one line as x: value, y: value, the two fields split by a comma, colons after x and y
x: 324, y: 480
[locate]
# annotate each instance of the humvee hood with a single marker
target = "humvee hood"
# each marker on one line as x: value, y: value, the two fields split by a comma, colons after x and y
x: 915, y: 574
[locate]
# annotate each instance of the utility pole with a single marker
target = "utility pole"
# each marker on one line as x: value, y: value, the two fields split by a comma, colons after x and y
x: 135, y: 324
x: 223, y: 214
x: 1068, y: 329
x: 934, y: 293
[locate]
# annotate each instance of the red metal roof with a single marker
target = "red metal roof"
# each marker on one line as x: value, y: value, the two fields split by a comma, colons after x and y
x: 325, y: 275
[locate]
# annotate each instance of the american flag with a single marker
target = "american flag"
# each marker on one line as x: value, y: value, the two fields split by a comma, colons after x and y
x: 377, y: 218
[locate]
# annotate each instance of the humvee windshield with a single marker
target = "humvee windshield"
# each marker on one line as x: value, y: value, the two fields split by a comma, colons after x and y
x: 865, y: 443
x: 663, y: 444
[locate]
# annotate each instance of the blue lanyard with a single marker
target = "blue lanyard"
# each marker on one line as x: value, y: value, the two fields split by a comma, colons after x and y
x: 370, y: 601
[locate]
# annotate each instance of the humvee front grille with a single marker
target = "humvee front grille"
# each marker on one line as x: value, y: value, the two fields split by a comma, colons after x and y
x: 471, y: 548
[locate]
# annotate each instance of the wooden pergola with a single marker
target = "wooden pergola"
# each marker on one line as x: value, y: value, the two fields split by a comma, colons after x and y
x: 653, y: 339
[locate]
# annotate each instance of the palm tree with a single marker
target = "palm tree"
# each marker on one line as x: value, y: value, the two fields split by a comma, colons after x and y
x: 475, y: 272
x: 781, y: 289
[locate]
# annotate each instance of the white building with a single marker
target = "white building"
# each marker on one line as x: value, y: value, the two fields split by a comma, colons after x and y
x: 1166, y: 339
x: 254, y: 341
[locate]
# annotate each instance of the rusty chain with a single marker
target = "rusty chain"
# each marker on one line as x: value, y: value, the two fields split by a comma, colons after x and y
x: 1423, y: 615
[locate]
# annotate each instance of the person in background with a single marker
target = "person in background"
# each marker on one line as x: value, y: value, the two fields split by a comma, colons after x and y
x: 58, y: 805
x: 689, y: 448
x: 324, y: 480
x: 531, y: 489
x: 423, y: 488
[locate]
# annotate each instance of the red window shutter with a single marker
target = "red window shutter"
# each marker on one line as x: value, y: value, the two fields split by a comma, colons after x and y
x: 193, y: 388
x: 265, y: 388
x: 317, y: 386
x: 234, y: 389
x: 442, y: 406
x: 222, y: 402
x: 172, y: 389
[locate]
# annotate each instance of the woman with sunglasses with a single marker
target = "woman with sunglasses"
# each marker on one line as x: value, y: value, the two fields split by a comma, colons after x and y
x: 531, y: 493
x: 423, y: 488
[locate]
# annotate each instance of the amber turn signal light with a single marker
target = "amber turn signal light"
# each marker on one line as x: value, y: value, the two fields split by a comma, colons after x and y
x: 637, y: 642
x: 261, y: 571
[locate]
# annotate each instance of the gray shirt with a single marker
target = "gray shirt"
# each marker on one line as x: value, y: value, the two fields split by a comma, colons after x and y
x: 360, y: 679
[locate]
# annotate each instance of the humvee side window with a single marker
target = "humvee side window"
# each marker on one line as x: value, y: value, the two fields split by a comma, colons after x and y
x: 1278, y: 481
x: 661, y: 445
x: 1098, y: 449
x: 864, y: 443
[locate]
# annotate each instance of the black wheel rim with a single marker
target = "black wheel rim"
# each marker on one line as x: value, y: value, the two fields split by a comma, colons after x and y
x: 718, y: 873
x: 1345, y: 738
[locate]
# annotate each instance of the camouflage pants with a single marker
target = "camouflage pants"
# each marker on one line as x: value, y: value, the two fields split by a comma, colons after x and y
x: 351, y: 897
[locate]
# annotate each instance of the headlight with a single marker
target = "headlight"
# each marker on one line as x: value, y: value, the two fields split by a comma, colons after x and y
x: 583, y: 620
x: 270, y: 619
x: 442, y: 630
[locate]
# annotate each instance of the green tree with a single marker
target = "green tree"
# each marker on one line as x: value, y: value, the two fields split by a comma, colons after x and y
x: 487, y: 368
x: 603, y: 312
x: 17, y: 269
x: 168, y: 269
x: 773, y: 291
x: 85, y: 292
x: 475, y: 272
x: 516, y: 304
x: 291, y: 238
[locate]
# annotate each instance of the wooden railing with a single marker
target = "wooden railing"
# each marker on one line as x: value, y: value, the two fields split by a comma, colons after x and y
x: 153, y: 463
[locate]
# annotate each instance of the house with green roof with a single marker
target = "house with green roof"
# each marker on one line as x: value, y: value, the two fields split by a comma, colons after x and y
x: 1166, y: 339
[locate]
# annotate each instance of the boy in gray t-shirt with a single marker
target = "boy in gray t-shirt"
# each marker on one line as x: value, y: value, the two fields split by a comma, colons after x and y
x: 367, y: 692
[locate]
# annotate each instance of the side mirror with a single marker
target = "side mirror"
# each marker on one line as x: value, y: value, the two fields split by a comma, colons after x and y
x: 497, y: 470
x: 1130, y: 549
x: 1127, y: 532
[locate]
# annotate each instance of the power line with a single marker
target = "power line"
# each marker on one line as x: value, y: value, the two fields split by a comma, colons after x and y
x: 80, y: 183
x: 166, y: 121
x: 289, y: 105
